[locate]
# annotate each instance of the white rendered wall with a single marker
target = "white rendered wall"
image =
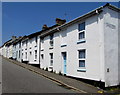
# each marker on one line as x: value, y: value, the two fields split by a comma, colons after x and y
x: 19, y: 50
x: 32, y: 46
x: 24, y: 50
x: 111, y: 47
x: 93, y: 46
x: 10, y: 48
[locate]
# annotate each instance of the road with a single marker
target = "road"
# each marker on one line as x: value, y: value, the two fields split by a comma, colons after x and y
x: 16, y: 79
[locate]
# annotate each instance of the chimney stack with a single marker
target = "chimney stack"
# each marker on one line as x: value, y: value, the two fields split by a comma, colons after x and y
x: 44, y: 27
x: 60, y: 21
x: 13, y: 37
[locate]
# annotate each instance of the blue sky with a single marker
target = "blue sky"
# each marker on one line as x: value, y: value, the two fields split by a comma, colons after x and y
x: 24, y: 18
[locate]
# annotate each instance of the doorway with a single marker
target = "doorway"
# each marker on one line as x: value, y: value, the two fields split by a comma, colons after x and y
x: 64, y: 57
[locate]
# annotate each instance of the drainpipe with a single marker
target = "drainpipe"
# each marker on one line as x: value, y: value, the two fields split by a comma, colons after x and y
x: 39, y: 49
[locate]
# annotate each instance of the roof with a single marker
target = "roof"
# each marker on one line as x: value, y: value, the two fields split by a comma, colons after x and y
x: 56, y: 27
x: 18, y: 39
x: 89, y: 14
x: 6, y: 42
x: 39, y: 32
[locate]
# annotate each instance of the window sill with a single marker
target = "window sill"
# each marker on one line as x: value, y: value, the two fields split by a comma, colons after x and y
x: 81, y: 41
x: 81, y: 70
x: 42, y: 49
x: 51, y: 48
x: 50, y: 67
x: 63, y: 45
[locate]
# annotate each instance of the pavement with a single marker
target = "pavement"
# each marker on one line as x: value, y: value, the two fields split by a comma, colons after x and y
x: 66, y: 82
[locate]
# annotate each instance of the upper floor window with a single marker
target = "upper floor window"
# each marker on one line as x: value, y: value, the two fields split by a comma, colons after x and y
x: 42, y: 40
x: 81, y: 26
x: 51, y: 39
x: 81, y: 33
x: 26, y: 42
x: 36, y: 39
x: 19, y: 45
x: 31, y: 41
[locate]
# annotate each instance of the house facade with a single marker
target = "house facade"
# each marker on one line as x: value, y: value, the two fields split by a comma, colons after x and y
x: 86, y: 47
x: 33, y: 51
x: 1, y: 50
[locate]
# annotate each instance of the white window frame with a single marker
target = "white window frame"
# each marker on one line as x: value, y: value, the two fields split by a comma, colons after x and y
x: 51, y: 40
x: 81, y: 59
x: 35, y: 55
x: 51, y: 59
x: 80, y: 31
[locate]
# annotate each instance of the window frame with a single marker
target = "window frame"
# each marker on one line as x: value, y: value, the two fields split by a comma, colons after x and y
x: 35, y: 55
x: 51, y: 59
x: 36, y: 39
x: 51, y: 40
x: 82, y: 58
x: 81, y: 31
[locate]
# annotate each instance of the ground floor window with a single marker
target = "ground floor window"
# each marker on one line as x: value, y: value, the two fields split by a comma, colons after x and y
x: 19, y: 53
x: 26, y: 55
x: 35, y: 55
x: 42, y: 56
x: 81, y: 57
x: 30, y: 53
x: 51, y: 59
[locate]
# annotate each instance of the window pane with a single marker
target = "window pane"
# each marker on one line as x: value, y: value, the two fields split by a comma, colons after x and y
x: 36, y: 39
x: 51, y: 62
x: 35, y: 54
x: 82, y: 26
x: 42, y: 56
x: 51, y: 37
x: 82, y: 54
x: 51, y: 55
x: 81, y: 35
x: 81, y: 63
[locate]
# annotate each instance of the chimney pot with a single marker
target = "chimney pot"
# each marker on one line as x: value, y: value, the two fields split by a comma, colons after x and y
x: 13, y: 37
x: 60, y: 21
x: 44, y: 27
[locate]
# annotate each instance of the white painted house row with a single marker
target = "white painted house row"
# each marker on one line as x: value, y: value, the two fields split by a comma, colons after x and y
x: 86, y: 47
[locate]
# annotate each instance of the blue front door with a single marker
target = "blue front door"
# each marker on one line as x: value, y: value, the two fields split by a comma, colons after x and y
x: 64, y: 61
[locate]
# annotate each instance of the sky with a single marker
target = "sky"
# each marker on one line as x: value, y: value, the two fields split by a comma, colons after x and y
x: 24, y: 18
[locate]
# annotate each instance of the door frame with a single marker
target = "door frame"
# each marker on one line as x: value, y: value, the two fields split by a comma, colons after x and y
x: 64, y: 61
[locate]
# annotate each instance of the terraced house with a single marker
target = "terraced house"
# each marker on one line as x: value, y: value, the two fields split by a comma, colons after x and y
x: 86, y: 47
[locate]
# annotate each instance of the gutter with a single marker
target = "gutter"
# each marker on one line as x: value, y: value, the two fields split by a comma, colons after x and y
x: 57, y: 29
x: 89, y: 14
x: 39, y: 49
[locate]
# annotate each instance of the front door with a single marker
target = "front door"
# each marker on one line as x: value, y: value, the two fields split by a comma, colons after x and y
x: 64, y: 61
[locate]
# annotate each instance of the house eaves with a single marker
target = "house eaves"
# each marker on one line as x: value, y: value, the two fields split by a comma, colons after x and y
x: 18, y: 40
x: 42, y: 31
x: 89, y: 14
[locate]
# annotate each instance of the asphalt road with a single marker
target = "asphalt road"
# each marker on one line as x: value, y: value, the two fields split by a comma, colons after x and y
x: 16, y: 79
